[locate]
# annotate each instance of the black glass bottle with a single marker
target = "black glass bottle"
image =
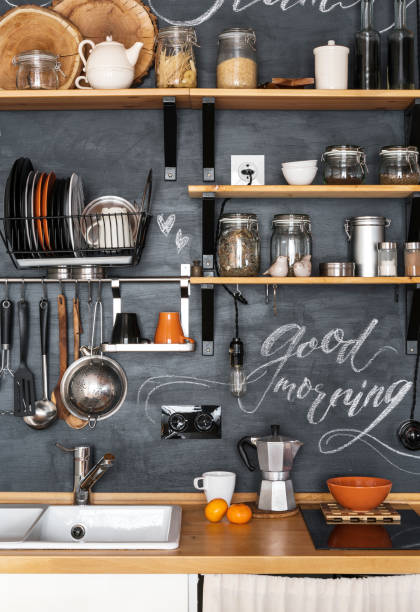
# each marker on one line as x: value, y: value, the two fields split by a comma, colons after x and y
x: 401, y: 51
x: 368, y: 51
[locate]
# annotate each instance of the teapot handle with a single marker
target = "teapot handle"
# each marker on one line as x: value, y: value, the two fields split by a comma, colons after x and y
x: 79, y: 80
x: 81, y: 45
x: 242, y: 452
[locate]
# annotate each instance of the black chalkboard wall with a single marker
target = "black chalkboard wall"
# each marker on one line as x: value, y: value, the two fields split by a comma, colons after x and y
x: 366, y: 380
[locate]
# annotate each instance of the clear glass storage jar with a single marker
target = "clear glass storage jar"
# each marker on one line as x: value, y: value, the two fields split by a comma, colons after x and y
x: 344, y: 165
x: 412, y: 258
x: 37, y: 70
x: 399, y: 166
x: 238, y: 245
x: 387, y: 259
x: 237, y: 59
x: 175, y: 61
x: 292, y: 240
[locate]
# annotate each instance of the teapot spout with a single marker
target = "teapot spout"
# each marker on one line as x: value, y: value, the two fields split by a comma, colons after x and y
x: 133, y: 53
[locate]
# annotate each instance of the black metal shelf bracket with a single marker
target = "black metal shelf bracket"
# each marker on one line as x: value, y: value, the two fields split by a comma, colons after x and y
x: 412, y: 137
x: 208, y: 121
x: 208, y: 261
x: 170, y: 136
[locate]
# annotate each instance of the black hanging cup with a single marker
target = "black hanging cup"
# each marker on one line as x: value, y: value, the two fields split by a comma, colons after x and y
x: 126, y: 329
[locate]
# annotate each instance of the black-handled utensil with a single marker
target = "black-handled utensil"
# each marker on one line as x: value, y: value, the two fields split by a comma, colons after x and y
x: 6, y: 323
x: 24, y: 404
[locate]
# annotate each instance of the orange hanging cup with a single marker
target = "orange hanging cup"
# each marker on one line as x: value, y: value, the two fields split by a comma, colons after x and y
x: 169, y: 329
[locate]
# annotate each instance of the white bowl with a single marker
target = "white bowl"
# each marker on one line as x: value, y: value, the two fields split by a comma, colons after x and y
x: 300, y: 176
x: 301, y: 164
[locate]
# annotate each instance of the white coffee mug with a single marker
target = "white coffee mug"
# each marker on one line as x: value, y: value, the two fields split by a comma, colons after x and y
x: 217, y: 485
x: 110, y: 231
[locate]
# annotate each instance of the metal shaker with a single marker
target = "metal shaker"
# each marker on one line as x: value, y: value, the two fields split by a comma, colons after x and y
x: 364, y: 233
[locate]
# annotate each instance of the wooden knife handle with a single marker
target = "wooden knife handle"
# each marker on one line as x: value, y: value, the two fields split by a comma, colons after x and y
x: 62, y: 331
x: 77, y: 328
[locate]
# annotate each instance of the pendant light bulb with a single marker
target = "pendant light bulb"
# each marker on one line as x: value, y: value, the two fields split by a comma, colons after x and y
x: 237, y: 374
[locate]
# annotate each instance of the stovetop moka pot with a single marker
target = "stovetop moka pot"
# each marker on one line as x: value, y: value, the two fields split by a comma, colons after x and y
x: 276, y: 454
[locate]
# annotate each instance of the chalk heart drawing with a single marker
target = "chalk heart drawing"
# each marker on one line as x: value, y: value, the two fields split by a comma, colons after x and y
x: 291, y: 343
x: 165, y: 225
x: 181, y: 241
x: 211, y: 7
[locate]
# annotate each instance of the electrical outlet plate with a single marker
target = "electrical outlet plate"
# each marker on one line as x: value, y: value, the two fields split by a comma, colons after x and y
x: 189, y: 422
x: 242, y: 165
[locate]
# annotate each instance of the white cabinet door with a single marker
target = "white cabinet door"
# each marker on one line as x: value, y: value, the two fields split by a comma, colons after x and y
x: 98, y: 592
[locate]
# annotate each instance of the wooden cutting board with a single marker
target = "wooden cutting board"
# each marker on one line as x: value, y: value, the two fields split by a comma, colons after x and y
x: 30, y: 27
x: 127, y: 21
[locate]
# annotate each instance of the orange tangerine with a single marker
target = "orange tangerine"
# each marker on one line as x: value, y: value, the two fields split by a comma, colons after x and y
x: 215, y: 510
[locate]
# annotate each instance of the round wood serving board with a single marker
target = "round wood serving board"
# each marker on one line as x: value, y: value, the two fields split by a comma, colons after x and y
x: 127, y: 21
x: 30, y: 27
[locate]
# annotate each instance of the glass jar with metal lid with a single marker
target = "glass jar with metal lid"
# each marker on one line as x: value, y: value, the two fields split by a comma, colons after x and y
x: 387, y: 259
x: 238, y: 245
x: 175, y: 61
x: 412, y: 258
x: 237, y: 59
x: 399, y: 166
x: 37, y: 70
x: 291, y: 245
x: 344, y: 165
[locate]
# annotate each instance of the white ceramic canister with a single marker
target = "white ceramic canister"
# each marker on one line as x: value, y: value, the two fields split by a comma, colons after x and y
x: 331, y: 66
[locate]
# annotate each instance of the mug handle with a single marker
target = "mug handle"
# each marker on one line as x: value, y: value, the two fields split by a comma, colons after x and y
x: 191, y: 341
x: 196, y: 485
x: 77, y: 82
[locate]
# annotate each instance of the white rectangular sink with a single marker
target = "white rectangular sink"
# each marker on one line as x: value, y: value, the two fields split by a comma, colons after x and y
x: 90, y: 527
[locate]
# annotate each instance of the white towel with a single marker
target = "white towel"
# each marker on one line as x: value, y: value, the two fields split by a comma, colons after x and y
x: 249, y: 593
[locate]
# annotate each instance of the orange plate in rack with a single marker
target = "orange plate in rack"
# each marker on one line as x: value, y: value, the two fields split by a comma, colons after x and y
x: 37, y: 209
x: 45, y: 200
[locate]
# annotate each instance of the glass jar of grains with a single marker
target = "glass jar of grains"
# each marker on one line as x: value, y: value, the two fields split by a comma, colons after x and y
x: 238, y: 245
x: 291, y: 245
x: 399, y: 166
x: 344, y: 165
x: 175, y: 61
x: 387, y: 259
x: 412, y: 258
x: 237, y: 59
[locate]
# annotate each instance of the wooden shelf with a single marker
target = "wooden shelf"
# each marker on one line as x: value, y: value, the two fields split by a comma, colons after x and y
x: 304, y: 191
x: 229, y: 99
x: 306, y: 99
x: 310, y: 280
x: 76, y: 99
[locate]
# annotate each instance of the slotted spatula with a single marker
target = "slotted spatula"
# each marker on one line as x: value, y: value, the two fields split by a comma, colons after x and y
x: 24, y: 396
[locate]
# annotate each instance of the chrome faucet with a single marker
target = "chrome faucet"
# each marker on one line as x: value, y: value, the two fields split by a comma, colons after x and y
x: 85, y: 478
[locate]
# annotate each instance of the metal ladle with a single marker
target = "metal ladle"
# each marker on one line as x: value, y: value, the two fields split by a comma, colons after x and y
x: 45, y: 410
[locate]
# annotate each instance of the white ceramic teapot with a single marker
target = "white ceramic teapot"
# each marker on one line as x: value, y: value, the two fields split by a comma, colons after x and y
x: 109, y: 65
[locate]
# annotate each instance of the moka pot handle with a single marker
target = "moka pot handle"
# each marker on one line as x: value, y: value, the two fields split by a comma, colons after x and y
x: 243, y: 454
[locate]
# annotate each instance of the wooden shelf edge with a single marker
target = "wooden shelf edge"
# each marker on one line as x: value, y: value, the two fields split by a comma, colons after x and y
x: 306, y: 99
x: 304, y: 191
x: 310, y: 280
x: 228, y: 99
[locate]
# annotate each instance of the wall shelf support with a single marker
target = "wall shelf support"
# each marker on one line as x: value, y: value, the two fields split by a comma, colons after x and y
x: 170, y: 137
x: 207, y: 290
x: 208, y: 126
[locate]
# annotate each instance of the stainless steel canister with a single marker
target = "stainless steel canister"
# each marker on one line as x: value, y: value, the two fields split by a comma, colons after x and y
x: 364, y: 233
x: 337, y: 268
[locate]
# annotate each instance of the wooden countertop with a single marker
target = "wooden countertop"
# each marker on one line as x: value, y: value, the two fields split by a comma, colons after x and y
x: 263, y: 546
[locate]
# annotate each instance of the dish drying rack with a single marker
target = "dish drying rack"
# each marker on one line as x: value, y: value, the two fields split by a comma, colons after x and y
x: 62, y: 242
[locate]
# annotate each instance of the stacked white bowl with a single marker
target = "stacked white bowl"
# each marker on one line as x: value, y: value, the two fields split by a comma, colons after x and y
x: 300, y: 172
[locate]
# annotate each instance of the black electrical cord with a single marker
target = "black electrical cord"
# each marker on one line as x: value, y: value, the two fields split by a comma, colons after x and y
x: 415, y: 380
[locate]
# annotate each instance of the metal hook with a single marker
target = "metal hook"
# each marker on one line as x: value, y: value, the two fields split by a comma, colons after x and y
x: 6, y: 290
x: 60, y: 285
x: 99, y: 296
x: 76, y: 289
x: 22, y: 290
x: 44, y: 290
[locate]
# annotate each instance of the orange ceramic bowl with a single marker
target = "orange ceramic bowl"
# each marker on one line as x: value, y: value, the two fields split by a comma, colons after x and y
x: 359, y: 492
